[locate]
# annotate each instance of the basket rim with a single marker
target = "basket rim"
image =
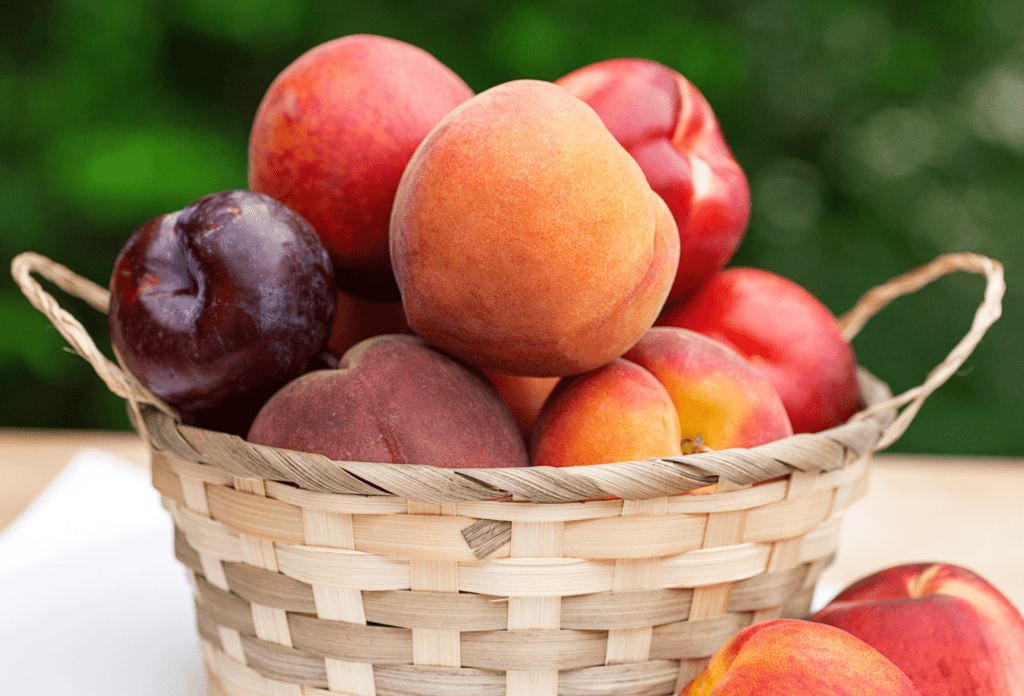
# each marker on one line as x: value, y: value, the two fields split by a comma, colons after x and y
x: 631, y: 480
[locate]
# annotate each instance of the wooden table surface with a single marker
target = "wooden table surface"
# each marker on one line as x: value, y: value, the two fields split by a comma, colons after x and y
x: 963, y: 510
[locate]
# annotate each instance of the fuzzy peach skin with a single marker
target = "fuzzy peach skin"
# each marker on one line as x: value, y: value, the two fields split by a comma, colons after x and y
x: 617, y: 413
x: 947, y: 628
x: 790, y: 657
x: 524, y: 396
x: 393, y: 399
x: 333, y: 134
x: 669, y: 128
x: 787, y: 334
x: 525, y: 240
x: 717, y: 392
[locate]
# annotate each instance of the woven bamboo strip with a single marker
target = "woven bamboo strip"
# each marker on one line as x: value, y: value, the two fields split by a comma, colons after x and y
x: 724, y: 529
x: 334, y: 529
x: 527, y: 614
x: 788, y: 518
x: 209, y: 536
x: 533, y: 577
x: 401, y: 680
x: 270, y: 589
x: 379, y: 645
x: 713, y: 566
x: 539, y: 512
x: 336, y: 502
x: 353, y: 570
x: 434, y: 646
x: 651, y: 678
x: 639, y: 571
x: 271, y: 624
x: 634, y: 537
x: 743, y: 498
x: 695, y: 640
x: 820, y: 542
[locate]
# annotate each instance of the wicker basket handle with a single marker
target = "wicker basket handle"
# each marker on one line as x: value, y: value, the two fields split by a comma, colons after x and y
x: 125, y: 385
x: 878, y: 297
x: 118, y: 380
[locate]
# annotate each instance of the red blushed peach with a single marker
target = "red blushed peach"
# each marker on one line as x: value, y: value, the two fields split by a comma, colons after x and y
x: 616, y: 413
x: 717, y: 393
x: 524, y: 396
x: 394, y: 399
x: 332, y: 136
x: 357, y: 319
x: 525, y: 240
x: 787, y: 334
x: 786, y: 657
x: 946, y: 627
x: 668, y: 127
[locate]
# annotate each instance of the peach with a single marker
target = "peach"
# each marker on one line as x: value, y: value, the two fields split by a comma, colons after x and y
x: 717, y: 393
x: 357, y: 319
x: 525, y: 240
x: 791, y: 656
x: 333, y: 134
x: 787, y: 334
x: 669, y: 128
x: 619, y: 412
x: 393, y: 399
x: 946, y: 627
x: 524, y: 397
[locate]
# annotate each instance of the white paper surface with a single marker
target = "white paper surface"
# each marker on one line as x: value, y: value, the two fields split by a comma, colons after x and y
x: 94, y: 602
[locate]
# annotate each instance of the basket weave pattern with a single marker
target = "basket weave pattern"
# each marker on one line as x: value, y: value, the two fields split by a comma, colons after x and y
x: 316, y: 577
x: 358, y: 594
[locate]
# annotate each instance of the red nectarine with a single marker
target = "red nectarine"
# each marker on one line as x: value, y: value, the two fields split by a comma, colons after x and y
x: 947, y: 628
x: 332, y: 136
x: 787, y: 334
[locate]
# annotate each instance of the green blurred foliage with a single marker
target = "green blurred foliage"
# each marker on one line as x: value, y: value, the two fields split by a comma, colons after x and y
x: 876, y: 135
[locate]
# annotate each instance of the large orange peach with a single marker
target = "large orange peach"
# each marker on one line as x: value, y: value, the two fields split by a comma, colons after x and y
x: 669, y: 128
x: 786, y: 657
x: 332, y: 136
x: 617, y: 413
x: 394, y: 399
x: 717, y: 393
x: 788, y: 335
x: 526, y: 240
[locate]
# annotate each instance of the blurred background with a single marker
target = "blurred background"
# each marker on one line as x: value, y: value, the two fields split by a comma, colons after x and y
x: 875, y: 135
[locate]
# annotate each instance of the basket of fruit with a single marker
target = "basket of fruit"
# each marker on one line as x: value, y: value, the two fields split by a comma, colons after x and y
x: 586, y: 459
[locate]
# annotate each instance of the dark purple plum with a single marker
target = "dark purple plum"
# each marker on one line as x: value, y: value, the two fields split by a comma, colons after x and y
x: 216, y: 306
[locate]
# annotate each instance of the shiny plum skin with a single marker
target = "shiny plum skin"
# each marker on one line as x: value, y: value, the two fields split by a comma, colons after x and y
x: 216, y: 306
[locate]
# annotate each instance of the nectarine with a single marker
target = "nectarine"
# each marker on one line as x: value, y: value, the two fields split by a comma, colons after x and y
x: 717, y: 393
x: 332, y: 136
x: 671, y: 389
x: 787, y: 334
x: 946, y: 627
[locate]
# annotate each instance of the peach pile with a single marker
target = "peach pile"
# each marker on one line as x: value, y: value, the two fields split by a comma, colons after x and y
x: 537, y: 232
x: 534, y: 275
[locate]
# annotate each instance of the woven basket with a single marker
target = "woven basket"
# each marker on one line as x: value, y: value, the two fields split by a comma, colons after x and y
x: 314, y: 576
